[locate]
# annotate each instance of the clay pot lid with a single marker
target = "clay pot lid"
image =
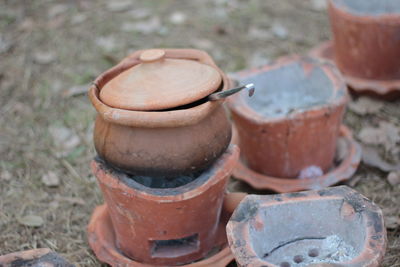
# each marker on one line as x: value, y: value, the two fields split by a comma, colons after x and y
x: 158, y: 82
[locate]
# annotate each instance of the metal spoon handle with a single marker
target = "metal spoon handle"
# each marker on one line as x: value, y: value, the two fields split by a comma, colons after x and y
x: 221, y: 95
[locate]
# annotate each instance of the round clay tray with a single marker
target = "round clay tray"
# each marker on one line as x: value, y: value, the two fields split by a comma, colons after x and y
x: 102, y: 240
x: 388, y: 89
x: 343, y: 171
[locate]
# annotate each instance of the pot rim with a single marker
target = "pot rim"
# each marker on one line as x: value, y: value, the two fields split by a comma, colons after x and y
x: 109, y: 253
x: 238, y: 105
x: 218, y: 171
x: 385, y: 19
x: 375, y: 242
x: 382, y: 88
x: 154, y: 119
x: 342, y: 172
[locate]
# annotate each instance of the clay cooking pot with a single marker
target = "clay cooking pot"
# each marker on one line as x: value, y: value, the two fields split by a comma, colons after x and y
x: 154, y: 117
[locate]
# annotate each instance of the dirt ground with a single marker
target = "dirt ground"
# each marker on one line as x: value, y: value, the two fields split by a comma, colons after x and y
x: 50, y: 50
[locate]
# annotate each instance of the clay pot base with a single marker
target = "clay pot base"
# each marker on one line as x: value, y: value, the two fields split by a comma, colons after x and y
x: 102, y: 240
x: 386, y: 89
x: 341, y: 172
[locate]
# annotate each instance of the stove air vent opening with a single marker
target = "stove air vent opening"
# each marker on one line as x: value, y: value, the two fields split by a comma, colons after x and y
x: 174, y: 248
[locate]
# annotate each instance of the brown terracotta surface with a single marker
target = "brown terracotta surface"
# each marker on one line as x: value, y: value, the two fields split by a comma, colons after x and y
x: 343, y: 171
x: 386, y: 89
x: 144, y: 218
x: 366, y: 45
x: 284, y: 146
x: 102, y: 240
x: 160, y: 142
x: 232, y: 200
x: 330, y: 227
x: 161, y: 83
x: 165, y: 150
x: 42, y: 257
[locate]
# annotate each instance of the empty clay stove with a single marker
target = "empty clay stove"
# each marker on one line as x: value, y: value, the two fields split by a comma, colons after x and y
x: 161, y: 226
x: 293, y: 121
x: 365, y: 45
x: 42, y: 257
x: 334, y: 226
x: 288, y: 131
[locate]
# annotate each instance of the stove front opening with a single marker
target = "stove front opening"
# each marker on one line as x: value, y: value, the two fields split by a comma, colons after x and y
x: 174, y: 248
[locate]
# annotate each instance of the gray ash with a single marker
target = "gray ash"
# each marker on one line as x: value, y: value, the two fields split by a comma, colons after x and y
x: 159, y: 185
x: 164, y: 182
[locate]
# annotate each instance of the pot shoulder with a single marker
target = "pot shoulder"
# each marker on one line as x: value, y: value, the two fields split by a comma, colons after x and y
x: 163, y: 150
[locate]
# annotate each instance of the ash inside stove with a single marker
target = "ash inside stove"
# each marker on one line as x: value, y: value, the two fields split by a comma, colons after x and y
x: 164, y: 182
x: 166, y: 185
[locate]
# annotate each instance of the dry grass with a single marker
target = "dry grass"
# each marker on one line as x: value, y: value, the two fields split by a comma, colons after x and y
x: 81, y: 38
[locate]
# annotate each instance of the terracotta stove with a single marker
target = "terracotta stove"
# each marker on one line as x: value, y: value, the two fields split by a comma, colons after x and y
x: 330, y: 227
x: 164, y: 160
x: 365, y: 45
x: 289, y: 132
x: 164, y: 224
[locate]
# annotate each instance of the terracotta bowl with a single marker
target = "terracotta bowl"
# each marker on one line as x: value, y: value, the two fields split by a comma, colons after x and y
x: 161, y: 143
x: 166, y: 226
x: 330, y: 227
x: 290, y: 127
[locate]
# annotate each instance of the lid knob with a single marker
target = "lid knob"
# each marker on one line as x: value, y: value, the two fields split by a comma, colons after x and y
x: 151, y: 55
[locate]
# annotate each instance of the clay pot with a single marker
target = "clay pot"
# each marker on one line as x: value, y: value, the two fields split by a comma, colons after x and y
x: 366, y: 38
x: 330, y: 227
x: 166, y: 226
x: 157, y: 141
x: 34, y: 257
x: 290, y: 127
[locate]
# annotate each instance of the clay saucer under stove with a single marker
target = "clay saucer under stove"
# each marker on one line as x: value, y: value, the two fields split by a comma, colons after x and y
x: 102, y: 240
x: 343, y: 171
x: 387, y: 89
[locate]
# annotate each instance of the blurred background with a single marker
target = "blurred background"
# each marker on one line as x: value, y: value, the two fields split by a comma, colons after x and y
x: 50, y: 51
